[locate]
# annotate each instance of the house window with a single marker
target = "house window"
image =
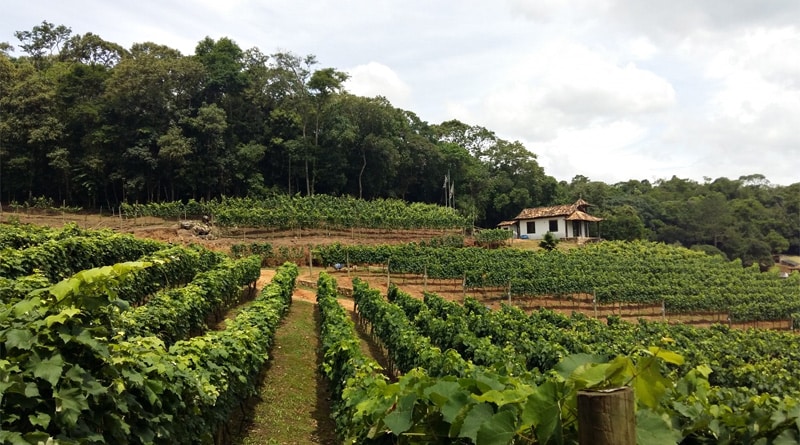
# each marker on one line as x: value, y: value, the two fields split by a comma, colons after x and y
x: 531, y: 227
x: 554, y: 225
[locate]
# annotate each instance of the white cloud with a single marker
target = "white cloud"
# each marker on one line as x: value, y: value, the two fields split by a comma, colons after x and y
x: 567, y: 86
x: 377, y: 79
x: 605, y: 147
x: 641, y: 48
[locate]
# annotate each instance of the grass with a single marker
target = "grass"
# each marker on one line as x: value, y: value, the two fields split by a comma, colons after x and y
x: 292, y: 405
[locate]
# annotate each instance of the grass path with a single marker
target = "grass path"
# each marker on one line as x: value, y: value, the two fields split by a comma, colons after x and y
x: 292, y: 405
x: 293, y: 402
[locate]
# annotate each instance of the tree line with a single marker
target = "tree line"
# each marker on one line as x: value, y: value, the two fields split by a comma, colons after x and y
x: 86, y: 122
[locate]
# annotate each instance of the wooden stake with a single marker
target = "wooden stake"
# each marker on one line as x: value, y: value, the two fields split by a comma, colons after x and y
x: 606, y: 417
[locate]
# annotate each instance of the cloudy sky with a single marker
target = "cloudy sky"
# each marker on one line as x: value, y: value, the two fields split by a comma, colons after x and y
x: 609, y: 89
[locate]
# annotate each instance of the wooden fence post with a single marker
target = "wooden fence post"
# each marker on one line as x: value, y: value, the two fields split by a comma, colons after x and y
x: 606, y: 417
x: 310, y: 264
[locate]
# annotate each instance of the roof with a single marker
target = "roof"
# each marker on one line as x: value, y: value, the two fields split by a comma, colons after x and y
x: 573, y: 212
x: 581, y: 216
x: 506, y: 223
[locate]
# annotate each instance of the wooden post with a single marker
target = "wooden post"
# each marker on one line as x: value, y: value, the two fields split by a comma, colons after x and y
x: 663, y: 310
x: 425, y: 278
x: 310, y: 264
x: 388, y: 277
x: 606, y: 417
x: 594, y: 302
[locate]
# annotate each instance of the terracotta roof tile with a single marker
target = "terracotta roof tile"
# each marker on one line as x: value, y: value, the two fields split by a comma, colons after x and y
x: 573, y: 212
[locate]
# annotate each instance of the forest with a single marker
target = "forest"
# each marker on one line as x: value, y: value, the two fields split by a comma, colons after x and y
x: 89, y: 124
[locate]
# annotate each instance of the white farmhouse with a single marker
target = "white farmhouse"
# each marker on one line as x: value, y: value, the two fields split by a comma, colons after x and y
x: 563, y: 221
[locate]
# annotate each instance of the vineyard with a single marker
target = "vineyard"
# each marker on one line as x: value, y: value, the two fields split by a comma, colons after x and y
x: 664, y: 280
x: 282, y: 212
x: 104, y: 337
x: 473, y: 375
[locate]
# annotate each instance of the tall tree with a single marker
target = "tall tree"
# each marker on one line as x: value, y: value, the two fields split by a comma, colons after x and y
x: 43, y: 42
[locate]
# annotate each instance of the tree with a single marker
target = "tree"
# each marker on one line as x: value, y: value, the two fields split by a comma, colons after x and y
x: 366, y: 134
x: 30, y: 127
x: 174, y: 151
x: 149, y: 91
x: 223, y: 61
x: 90, y: 49
x: 43, y: 41
x: 623, y: 223
x: 777, y: 243
x: 211, y: 162
x: 289, y: 87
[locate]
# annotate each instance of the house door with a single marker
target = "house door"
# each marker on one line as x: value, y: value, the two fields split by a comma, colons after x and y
x: 576, y: 229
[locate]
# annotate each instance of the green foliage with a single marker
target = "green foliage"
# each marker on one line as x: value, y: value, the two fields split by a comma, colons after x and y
x: 173, y: 314
x: 679, y: 398
x: 72, y: 376
x: 349, y: 373
x: 60, y: 254
x: 263, y: 250
x: 317, y: 212
x: 493, y: 238
x: 548, y: 242
x: 636, y: 272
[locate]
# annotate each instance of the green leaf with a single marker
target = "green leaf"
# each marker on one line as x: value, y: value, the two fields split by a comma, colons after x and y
x: 652, y: 428
x: 50, y: 369
x: 571, y: 362
x: 399, y: 420
x: 64, y: 287
x: 590, y: 375
x: 649, y: 384
x: 39, y: 419
x: 543, y: 412
x: 486, y: 383
x: 62, y: 316
x: 19, y: 338
x: 69, y: 404
x: 31, y: 390
x: 475, y: 417
x: 667, y: 356
x: 12, y: 437
x: 24, y: 306
x: 499, y: 430
x: 787, y: 437
x: 450, y: 397
x: 505, y: 397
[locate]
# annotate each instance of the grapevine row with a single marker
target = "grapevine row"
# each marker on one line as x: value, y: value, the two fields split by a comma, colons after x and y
x: 173, y: 314
x: 283, y: 212
x: 638, y: 272
x: 60, y: 258
x: 68, y: 374
x: 699, y: 410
